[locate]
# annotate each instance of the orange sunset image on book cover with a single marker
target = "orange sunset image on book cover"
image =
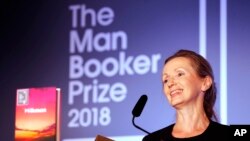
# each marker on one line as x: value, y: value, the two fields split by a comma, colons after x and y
x: 37, y: 114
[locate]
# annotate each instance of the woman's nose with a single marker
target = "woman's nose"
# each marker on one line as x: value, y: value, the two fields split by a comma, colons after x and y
x: 171, y: 82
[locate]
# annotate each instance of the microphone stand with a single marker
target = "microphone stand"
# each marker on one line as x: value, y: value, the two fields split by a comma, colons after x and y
x: 133, y: 121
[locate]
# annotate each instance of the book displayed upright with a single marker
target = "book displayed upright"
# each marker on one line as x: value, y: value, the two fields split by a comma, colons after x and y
x: 102, y: 138
x: 37, y: 116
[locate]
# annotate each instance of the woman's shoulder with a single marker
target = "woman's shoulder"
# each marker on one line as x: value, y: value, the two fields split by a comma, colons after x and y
x: 219, y: 130
x: 159, y: 134
x: 217, y: 125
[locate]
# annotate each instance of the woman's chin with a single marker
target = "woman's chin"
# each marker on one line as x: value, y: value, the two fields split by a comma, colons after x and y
x: 176, y: 103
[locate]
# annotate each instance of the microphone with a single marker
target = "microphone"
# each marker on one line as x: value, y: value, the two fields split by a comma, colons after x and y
x: 138, y: 110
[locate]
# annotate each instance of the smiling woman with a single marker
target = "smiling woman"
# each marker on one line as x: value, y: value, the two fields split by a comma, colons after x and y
x: 188, y: 84
x: 179, y: 77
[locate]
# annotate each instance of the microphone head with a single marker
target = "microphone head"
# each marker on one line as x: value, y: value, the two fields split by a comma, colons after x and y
x: 139, y: 106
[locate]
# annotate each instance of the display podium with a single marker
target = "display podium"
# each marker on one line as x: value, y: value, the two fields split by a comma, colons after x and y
x: 102, y: 138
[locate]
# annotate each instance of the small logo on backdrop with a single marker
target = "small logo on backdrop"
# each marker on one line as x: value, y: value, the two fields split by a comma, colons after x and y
x: 241, y: 132
x: 22, y: 97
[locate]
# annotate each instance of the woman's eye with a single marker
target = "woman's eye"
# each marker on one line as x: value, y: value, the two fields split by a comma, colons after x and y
x: 180, y: 74
x: 165, y: 81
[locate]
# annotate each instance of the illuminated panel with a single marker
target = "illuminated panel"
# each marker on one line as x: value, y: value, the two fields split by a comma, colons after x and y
x: 223, y: 61
x: 202, y: 28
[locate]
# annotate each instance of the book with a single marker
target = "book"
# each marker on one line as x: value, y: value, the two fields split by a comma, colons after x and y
x: 37, y: 116
x: 102, y: 138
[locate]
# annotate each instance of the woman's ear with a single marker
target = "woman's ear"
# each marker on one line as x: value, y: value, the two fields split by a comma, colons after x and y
x: 207, y: 82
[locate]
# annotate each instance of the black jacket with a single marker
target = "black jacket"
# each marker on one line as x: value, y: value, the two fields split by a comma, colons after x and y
x: 213, y: 132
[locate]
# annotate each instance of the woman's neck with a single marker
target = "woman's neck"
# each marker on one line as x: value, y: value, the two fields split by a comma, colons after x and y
x: 190, y: 122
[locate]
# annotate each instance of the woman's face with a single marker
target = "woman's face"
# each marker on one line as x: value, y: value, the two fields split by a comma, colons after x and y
x: 181, y: 83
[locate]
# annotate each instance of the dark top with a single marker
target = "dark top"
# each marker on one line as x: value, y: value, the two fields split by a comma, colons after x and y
x: 213, y: 132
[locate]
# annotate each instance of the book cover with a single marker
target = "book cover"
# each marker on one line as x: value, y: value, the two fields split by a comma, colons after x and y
x: 102, y: 138
x: 37, y: 114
